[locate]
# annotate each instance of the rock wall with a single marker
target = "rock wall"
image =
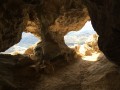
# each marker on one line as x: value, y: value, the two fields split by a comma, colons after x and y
x: 48, y: 19
x: 56, y: 21
x: 10, y: 23
x: 105, y: 17
x: 102, y: 75
x: 90, y: 46
x: 51, y: 20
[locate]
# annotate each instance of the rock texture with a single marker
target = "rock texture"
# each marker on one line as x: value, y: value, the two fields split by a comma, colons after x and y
x: 11, y: 68
x: 83, y: 75
x: 10, y: 23
x: 49, y: 20
x: 105, y: 17
x: 56, y: 21
x: 90, y: 46
x: 103, y: 75
x: 20, y: 74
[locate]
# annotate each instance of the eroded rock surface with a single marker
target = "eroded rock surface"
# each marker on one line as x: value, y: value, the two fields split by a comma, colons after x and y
x: 11, y: 67
x: 90, y: 46
x: 105, y: 17
x: 49, y: 20
x: 102, y: 75
x: 10, y: 23
x: 77, y: 75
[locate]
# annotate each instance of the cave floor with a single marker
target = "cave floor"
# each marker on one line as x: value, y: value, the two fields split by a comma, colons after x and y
x: 70, y: 77
x: 66, y: 76
x: 75, y: 75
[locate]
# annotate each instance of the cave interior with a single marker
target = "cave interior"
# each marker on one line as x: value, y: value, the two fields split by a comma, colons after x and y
x: 50, y: 21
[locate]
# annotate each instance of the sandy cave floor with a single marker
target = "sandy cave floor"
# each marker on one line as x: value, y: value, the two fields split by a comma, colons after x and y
x: 68, y: 76
x: 75, y: 75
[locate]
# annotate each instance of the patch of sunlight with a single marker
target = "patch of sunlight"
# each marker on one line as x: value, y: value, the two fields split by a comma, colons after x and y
x: 93, y: 57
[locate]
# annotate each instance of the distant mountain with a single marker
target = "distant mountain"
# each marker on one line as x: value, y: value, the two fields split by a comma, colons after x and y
x: 73, y: 37
x: 79, y: 37
x: 27, y: 40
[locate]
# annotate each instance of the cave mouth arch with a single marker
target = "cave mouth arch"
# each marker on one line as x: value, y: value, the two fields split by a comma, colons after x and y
x: 79, y: 37
x: 26, y: 41
x: 84, y: 42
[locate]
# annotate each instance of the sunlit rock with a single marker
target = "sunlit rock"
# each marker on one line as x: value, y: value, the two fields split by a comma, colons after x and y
x: 102, y: 75
x: 105, y: 18
x: 30, y: 50
x: 51, y: 20
x: 90, y: 46
x: 49, y: 24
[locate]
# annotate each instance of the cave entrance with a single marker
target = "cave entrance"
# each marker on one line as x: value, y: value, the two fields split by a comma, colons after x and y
x: 27, y: 40
x: 79, y: 37
x: 84, y: 42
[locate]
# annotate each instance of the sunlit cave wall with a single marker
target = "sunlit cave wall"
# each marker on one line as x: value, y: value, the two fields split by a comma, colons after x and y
x: 27, y: 40
x: 71, y: 39
x: 79, y: 37
x: 84, y: 42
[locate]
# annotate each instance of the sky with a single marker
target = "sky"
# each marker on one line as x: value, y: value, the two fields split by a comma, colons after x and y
x: 80, y: 36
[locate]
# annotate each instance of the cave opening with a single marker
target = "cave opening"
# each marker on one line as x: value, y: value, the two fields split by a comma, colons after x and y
x: 84, y: 42
x: 26, y: 41
x: 79, y: 37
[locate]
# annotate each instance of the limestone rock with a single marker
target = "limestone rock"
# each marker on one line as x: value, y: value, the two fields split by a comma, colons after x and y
x: 29, y: 51
x: 103, y: 75
x: 49, y: 20
x: 105, y: 18
x: 10, y: 23
x: 90, y: 46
